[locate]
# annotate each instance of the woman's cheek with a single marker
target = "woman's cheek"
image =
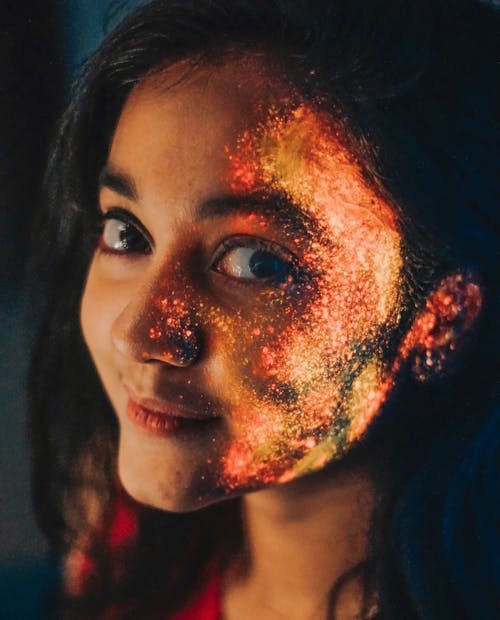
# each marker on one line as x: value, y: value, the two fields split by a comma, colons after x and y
x: 275, y: 418
x: 102, y: 302
x: 296, y: 381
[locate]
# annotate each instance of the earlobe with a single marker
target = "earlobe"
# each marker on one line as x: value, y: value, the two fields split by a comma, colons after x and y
x: 443, y: 327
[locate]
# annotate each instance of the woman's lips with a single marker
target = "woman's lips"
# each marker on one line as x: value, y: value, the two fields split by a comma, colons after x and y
x: 166, y: 419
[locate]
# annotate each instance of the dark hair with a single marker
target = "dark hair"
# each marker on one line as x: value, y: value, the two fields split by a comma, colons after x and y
x: 415, y: 84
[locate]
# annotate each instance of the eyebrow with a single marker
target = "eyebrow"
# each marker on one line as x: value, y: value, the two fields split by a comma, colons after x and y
x: 275, y: 205
x: 118, y: 181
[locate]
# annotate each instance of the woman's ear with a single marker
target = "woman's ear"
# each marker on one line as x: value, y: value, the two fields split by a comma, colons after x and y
x: 443, y: 326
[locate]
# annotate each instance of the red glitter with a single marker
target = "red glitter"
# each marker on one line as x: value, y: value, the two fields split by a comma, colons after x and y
x: 155, y: 334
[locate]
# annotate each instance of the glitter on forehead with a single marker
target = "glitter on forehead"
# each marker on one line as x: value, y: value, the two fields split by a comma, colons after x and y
x: 300, y: 152
x: 244, y: 170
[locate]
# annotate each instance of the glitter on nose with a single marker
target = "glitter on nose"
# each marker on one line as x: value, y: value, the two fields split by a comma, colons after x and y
x: 155, y: 334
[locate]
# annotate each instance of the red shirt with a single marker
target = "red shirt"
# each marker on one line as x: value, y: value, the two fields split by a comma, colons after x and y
x: 207, y: 606
x: 120, y: 531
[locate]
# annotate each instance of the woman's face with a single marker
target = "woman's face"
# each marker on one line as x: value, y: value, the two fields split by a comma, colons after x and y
x: 240, y: 300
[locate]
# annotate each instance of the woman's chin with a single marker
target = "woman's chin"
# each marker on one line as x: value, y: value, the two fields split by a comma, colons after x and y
x: 155, y: 494
x: 166, y: 488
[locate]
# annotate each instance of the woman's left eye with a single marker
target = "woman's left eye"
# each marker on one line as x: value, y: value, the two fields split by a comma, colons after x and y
x: 256, y: 260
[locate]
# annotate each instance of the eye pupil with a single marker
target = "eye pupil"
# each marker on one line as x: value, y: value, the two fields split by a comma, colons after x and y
x: 265, y: 265
x: 129, y: 237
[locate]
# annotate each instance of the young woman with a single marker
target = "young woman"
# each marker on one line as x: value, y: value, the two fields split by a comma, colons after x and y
x: 265, y: 382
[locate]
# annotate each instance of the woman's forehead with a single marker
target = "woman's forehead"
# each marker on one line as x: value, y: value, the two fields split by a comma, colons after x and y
x: 237, y: 94
x: 242, y: 124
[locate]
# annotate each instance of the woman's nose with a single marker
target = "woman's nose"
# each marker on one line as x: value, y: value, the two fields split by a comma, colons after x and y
x: 159, y: 327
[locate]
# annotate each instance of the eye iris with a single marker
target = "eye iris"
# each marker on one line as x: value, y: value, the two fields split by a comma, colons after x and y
x: 265, y: 265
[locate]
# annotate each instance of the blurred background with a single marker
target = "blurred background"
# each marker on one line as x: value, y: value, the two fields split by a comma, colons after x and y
x: 43, y: 45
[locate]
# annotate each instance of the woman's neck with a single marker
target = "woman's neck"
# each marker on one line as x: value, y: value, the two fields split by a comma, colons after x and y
x: 301, y: 539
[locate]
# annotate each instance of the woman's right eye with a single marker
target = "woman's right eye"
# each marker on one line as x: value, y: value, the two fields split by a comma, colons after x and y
x: 121, y: 236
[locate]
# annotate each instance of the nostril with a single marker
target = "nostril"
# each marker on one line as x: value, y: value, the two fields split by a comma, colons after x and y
x: 185, y: 346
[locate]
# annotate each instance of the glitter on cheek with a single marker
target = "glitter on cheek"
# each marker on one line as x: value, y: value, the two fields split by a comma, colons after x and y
x: 288, y: 409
